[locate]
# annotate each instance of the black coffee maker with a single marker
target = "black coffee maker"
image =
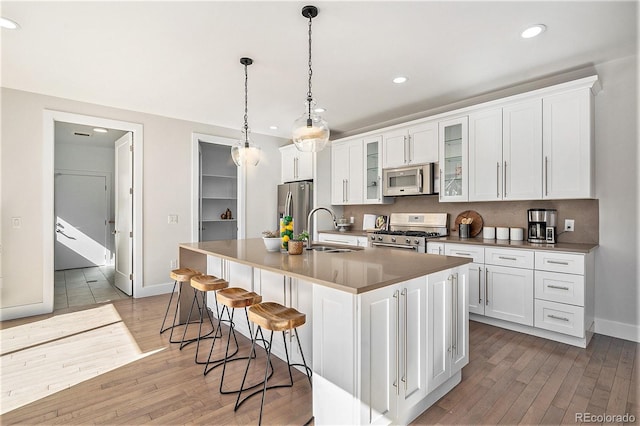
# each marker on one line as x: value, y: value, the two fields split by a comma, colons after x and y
x: 542, y: 225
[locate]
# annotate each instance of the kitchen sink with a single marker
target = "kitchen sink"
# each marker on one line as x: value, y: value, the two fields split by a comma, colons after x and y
x: 328, y: 249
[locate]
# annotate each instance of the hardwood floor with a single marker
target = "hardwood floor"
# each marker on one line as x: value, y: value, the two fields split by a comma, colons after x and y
x: 512, y: 378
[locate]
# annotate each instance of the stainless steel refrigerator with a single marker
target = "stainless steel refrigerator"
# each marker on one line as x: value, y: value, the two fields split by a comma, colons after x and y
x: 296, y: 200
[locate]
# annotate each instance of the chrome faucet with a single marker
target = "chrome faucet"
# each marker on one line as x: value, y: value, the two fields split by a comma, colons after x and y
x: 335, y: 223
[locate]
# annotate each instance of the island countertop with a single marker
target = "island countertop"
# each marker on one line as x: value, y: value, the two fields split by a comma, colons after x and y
x: 354, y: 272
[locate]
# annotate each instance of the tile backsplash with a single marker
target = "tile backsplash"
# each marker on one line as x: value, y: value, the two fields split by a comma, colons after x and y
x: 499, y: 213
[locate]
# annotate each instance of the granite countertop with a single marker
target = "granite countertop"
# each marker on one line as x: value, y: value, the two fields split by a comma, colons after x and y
x: 354, y: 272
x: 566, y: 247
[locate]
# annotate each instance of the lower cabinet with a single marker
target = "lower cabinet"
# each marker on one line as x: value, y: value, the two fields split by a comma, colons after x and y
x: 447, y: 326
x: 386, y: 355
x: 476, y: 288
x: 509, y: 294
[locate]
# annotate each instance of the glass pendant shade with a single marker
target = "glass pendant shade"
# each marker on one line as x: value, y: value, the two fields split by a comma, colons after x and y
x: 310, y: 132
x: 245, y: 153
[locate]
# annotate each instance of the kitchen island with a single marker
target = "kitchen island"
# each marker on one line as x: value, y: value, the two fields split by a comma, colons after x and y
x: 386, y: 331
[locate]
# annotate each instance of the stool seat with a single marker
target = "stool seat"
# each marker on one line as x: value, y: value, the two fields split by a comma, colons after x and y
x: 236, y: 297
x: 275, y: 317
x: 183, y: 274
x: 208, y: 283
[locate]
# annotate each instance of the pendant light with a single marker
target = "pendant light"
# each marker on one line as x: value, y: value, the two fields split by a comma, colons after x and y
x: 310, y: 131
x: 244, y: 152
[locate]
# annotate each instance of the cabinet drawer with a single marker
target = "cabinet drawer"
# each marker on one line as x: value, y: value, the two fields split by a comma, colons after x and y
x: 350, y: 240
x: 506, y: 257
x: 464, y: 250
x: 560, y: 262
x: 562, y: 288
x: 566, y: 319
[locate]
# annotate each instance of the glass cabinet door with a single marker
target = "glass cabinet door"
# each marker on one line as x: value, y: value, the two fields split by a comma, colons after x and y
x: 373, y: 170
x: 454, y: 160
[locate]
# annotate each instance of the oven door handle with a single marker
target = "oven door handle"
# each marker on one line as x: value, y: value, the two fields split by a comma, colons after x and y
x: 395, y: 246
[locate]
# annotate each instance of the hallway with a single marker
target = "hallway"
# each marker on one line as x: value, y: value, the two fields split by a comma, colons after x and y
x: 86, y: 286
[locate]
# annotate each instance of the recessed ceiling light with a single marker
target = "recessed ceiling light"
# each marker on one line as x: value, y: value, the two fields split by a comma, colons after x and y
x: 533, y: 31
x: 400, y: 80
x: 273, y: 127
x: 8, y: 24
x: 319, y: 109
x: 100, y: 130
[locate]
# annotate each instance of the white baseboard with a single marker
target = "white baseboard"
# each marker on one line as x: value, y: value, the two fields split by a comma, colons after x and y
x: 23, y: 311
x: 154, y: 290
x: 620, y: 330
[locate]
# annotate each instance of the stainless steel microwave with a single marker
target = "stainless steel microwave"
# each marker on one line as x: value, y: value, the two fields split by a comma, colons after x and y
x: 410, y: 180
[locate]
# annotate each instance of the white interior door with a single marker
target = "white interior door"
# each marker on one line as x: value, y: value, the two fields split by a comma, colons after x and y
x: 81, y: 211
x: 124, y: 214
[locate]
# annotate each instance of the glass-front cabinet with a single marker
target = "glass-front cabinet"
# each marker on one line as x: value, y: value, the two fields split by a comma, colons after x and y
x: 373, y: 171
x: 454, y: 159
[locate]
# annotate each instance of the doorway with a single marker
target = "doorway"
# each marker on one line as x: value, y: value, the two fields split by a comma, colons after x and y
x: 87, y: 255
x: 83, y: 250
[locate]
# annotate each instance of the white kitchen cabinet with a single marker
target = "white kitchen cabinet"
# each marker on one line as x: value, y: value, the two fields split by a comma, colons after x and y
x: 568, y: 145
x: 564, y: 287
x: 435, y: 248
x: 521, y: 150
x: 505, y: 152
x: 372, y: 150
x: 485, y: 155
x: 448, y: 326
x: 509, y: 294
x: 476, y: 277
x: 350, y: 240
x: 454, y: 160
x: 295, y: 165
x: 417, y: 144
x: 347, y: 172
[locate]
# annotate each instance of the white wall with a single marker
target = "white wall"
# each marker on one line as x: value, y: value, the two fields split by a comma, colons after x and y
x: 166, y: 180
x: 617, y: 155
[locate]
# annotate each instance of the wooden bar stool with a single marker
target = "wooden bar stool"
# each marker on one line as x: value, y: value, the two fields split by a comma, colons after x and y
x: 181, y: 275
x: 201, y: 284
x: 230, y: 299
x: 275, y: 317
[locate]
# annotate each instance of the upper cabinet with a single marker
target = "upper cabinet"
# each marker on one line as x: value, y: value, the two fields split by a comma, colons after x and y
x: 295, y: 165
x: 567, y: 145
x: 416, y: 144
x: 372, y: 152
x: 505, y: 145
x: 454, y: 160
x: 347, y: 172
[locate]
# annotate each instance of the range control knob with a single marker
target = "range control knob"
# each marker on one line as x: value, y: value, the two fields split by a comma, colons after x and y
x: 393, y: 239
x: 408, y: 241
x: 373, y: 238
x: 416, y: 241
x: 379, y: 238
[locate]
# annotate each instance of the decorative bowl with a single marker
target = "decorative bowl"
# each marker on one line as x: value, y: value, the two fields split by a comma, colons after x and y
x: 272, y: 244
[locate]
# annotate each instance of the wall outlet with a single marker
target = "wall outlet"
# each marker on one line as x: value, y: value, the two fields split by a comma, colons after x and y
x: 569, y: 225
x: 172, y: 219
x: 16, y: 222
x: 174, y: 264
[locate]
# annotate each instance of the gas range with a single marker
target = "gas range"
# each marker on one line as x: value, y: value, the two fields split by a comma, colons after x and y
x: 411, y: 231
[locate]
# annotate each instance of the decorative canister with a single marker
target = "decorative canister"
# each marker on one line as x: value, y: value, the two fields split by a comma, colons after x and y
x: 517, y: 234
x: 463, y: 230
x: 489, y: 232
x: 502, y: 233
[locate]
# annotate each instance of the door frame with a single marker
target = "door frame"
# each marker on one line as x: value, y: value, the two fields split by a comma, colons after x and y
x: 196, y: 138
x: 48, y: 224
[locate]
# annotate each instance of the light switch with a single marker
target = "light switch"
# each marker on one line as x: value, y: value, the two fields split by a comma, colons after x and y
x: 173, y: 219
x: 16, y: 222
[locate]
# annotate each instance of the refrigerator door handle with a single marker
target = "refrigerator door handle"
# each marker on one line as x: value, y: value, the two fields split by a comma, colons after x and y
x: 287, y: 204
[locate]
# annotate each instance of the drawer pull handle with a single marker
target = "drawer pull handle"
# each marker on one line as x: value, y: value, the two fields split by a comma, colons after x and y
x: 558, y: 262
x: 559, y: 287
x: 463, y: 254
x: 558, y: 318
x: 506, y: 258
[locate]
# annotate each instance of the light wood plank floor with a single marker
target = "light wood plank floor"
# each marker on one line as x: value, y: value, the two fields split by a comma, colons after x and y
x: 511, y: 379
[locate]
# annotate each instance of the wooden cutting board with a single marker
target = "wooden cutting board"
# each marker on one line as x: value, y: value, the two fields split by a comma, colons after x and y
x: 476, y: 225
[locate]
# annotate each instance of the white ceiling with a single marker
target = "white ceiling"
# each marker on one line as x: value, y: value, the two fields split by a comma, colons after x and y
x: 181, y: 59
x: 71, y: 133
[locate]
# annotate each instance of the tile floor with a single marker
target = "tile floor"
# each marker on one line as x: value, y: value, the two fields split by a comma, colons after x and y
x: 86, y: 286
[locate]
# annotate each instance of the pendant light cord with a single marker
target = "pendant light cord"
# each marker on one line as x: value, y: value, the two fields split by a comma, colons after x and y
x: 309, y: 95
x: 246, y: 109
